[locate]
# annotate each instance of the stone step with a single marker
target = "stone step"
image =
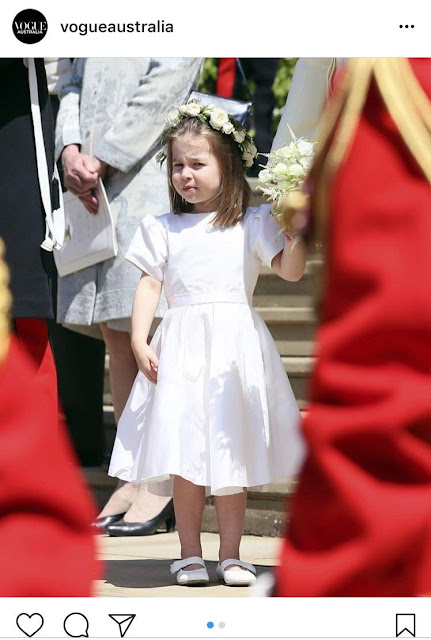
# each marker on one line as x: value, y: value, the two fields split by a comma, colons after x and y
x: 294, y: 340
x: 287, y: 315
x: 298, y: 367
x: 282, y: 299
x: 270, y: 283
x: 312, y: 267
x: 292, y: 328
x: 298, y: 370
x: 265, y: 513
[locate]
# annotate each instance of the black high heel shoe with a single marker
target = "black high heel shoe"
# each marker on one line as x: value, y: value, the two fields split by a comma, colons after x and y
x: 148, y: 528
x: 99, y: 525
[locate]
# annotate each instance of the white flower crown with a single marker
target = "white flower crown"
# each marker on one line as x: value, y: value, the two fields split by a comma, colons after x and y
x: 219, y: 120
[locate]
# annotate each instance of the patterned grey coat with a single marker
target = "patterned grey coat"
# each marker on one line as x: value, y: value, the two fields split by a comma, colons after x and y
x: 116, y: 109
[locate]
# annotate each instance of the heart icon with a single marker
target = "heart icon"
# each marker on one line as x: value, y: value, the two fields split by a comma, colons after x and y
x: 29, y: 625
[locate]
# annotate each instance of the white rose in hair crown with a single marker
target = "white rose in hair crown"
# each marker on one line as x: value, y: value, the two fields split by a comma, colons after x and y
x: 219, y: 120
x: 192, y: 109
x: 282, y: 180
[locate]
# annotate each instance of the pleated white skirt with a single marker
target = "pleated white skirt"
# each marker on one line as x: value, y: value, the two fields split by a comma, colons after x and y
x: 222, y: 414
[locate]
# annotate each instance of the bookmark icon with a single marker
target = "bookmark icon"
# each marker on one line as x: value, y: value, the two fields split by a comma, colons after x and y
x: 406, y: 625
x: 124, y: 620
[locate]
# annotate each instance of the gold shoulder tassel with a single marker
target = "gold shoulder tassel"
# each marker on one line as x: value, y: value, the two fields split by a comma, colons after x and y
x: 5, y: 305
x: 405, y: 101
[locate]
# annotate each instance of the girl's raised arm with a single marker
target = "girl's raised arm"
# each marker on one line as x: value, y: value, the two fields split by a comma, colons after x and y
x: 289, y: 264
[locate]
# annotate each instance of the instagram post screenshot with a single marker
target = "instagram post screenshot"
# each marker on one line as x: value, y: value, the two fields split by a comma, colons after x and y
x: 215, y: 320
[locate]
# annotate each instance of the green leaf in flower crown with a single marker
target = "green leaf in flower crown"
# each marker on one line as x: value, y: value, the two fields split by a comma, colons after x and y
x: 161, y: 157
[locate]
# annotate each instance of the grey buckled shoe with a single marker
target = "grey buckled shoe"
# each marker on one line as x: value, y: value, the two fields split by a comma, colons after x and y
x: 190, y: 578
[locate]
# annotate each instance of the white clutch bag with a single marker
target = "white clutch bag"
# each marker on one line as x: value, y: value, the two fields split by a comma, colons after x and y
x: 89, y: 238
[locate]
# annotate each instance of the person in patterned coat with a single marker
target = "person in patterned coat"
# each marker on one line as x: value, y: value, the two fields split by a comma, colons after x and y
x: 111, y: 117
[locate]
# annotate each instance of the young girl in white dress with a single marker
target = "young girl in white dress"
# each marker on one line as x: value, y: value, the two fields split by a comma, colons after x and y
x: 211, y: 411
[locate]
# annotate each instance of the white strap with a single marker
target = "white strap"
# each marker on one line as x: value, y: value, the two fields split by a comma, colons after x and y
x: 53, y: 236
x: 237, y: 563
x: 180, y: 564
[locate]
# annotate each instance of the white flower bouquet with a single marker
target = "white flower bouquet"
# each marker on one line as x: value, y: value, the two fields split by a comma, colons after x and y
x: 283, y: 177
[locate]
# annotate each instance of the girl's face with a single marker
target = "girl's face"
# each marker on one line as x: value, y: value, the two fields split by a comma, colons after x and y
x: 195, y: 172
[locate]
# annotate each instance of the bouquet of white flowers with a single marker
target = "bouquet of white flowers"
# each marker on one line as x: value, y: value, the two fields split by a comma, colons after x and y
x: 283, y: 177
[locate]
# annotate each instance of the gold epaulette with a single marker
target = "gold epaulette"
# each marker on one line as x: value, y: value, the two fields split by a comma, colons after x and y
x: 407, y: 104
x: 5, y: 305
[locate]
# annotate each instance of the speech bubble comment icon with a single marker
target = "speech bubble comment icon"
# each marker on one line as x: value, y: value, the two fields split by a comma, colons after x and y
x: 76, y: 625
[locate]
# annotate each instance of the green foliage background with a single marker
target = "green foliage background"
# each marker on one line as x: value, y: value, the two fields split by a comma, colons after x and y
x: 282, y: 82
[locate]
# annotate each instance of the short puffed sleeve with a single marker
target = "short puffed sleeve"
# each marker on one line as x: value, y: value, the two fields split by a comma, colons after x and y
x: 149, y: 248
x: 265, y: 237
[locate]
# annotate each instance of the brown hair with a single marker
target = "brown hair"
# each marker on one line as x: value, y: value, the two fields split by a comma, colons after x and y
x: 231, y: 200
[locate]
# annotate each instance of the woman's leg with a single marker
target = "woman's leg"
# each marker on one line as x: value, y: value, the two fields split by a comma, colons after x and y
x: 127, y: 496
x: 230, y: 515
x: 145, y: 505
x: 122, y: 373
x: 122, y: 366
x: 189, y: 502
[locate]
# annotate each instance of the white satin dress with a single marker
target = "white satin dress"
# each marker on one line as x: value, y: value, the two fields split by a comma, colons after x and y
x: 222, y: 414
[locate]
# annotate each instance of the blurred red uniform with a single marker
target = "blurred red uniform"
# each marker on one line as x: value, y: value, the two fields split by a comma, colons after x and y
x: 46, y: 546
x: 361, y: 518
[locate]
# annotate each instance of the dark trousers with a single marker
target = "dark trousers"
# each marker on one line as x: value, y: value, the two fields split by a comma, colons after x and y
x: 261, y: 71
x: 80, y: 363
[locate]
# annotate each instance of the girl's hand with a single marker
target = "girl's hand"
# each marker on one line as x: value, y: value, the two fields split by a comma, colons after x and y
x: 148, y: 363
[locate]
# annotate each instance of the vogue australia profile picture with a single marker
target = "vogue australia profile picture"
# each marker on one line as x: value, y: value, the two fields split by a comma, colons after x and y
x: 30, y: 26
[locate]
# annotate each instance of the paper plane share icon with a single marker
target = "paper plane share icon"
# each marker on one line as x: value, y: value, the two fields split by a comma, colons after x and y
x: 124, y: 620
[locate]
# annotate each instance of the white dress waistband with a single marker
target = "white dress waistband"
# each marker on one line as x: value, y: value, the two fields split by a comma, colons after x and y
x: 204, y: 297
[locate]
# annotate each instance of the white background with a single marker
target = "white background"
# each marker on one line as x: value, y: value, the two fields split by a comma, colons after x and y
x: 279, y: 28
x: 187, y: 617
x: 214, y: 28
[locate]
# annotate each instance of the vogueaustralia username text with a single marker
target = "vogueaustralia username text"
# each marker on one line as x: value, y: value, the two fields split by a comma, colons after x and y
x: 83, y: 28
